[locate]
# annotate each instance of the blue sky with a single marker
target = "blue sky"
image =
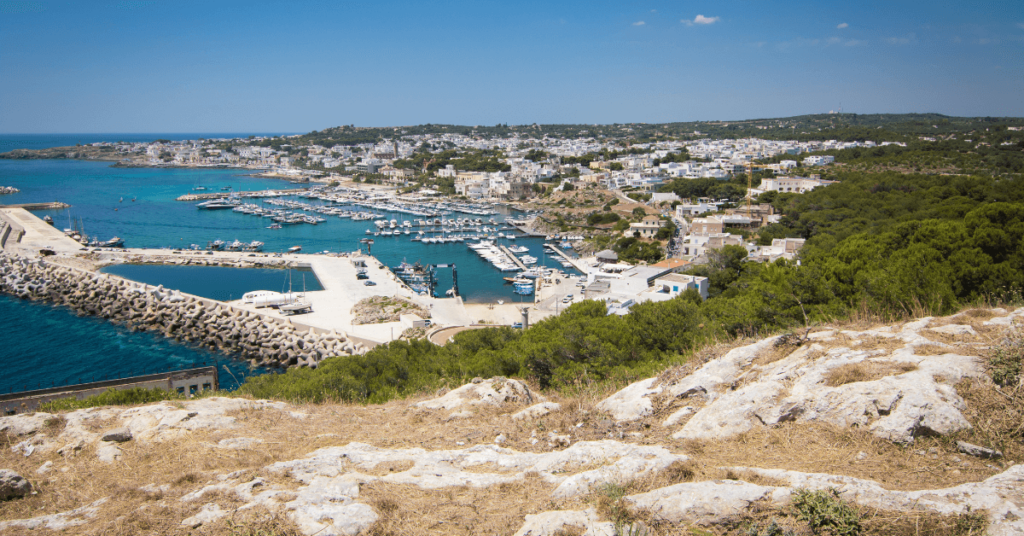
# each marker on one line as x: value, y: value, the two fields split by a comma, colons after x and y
x: 222, y: 66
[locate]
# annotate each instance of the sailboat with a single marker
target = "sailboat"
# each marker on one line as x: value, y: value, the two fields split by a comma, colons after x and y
x: 297, y: 306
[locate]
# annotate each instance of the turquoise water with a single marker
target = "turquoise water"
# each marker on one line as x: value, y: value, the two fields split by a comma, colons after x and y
x: 101, y: 198
x: 45, y: 346
x: 217, y: 282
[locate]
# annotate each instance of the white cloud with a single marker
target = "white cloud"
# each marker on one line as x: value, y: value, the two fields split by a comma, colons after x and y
x: 910, y: 38
x: 855, y: 43
x: 843, y: 25
x: 700, y: 19
x: 639, y: 23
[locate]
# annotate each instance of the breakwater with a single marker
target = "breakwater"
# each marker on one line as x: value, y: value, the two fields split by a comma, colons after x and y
x: 265, y: 341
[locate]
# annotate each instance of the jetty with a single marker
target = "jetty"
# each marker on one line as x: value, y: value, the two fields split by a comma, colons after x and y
x: 515, y: 259
x: 56, y: 205
x: 225, y: 195
x: 574, y: 262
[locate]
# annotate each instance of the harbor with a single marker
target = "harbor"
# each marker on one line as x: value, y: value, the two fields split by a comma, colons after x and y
x: 464, y: 264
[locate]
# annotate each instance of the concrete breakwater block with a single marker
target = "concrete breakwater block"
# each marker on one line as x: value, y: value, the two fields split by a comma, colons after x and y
x: 268, y: 341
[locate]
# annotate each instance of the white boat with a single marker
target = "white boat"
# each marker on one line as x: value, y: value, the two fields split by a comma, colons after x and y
x: 294, y: 249
x: 268, y: 298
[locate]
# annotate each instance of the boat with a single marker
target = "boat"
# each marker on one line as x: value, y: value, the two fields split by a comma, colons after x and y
x: 255, y: 245
x: 274, y: 226
x: 113, y: 243
x: 48, y: 219
x: 294, y: 249
x: 236, y: 245
x: 214, y: 204
x: 215, y: 245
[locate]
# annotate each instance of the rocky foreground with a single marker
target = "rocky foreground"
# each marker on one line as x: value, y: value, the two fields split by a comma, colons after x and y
x: 903, y: 422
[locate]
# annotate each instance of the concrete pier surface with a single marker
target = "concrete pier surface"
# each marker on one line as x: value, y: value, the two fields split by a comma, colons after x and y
x: 331, y: 307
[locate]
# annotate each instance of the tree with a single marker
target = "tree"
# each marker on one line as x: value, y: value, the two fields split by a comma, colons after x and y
x: 639, y: 213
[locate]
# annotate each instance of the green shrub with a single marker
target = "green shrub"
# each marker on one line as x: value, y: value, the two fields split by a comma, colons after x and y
x: 111, y: 397
x: 1006, y: 361
x: 825, y: 510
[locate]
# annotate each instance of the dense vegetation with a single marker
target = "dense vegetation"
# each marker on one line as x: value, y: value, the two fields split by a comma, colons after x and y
x: 891, y: 244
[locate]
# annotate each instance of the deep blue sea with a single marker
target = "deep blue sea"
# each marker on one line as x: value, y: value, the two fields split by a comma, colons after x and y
x: 45, y: 346
x: 10, y: 142
x: 101, y: 199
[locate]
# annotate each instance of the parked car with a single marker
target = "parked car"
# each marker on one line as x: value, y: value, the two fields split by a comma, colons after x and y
x: 518, y: 325
x: 370, y: 283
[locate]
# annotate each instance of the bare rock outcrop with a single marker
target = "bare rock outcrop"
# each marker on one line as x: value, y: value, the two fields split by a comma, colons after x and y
x: 898, y: 384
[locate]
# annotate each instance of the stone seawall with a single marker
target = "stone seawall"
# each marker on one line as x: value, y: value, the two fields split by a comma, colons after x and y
x: 265, y: 341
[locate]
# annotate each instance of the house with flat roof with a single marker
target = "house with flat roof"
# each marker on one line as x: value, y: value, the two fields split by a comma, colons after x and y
x: 647, y: 227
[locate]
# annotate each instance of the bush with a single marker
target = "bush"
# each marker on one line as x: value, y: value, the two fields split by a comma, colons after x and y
x: 1006, y: 361
x: 825, y: 510
x: 111, y: 397
x: 600, y: 218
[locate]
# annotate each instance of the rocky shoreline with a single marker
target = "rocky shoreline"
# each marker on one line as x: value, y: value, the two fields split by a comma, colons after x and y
x: 265, y: 341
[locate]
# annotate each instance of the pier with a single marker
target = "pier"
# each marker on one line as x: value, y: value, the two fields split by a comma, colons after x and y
x: 225, y: 195
x: 56, y: 205
x: 515, y: 259
x: 570, y: 260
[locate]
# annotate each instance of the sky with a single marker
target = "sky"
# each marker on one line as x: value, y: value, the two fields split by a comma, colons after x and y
x: 249, y: 66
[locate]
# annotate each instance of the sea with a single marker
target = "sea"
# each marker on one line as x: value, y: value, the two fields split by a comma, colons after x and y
x: 139, y: 205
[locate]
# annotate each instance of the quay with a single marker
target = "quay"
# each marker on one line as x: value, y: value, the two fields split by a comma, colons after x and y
x: 225, y: 195
x: 574, y: 262
x: 56, y: 205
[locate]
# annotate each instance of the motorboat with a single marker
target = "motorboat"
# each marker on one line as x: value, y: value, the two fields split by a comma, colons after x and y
x: 294, y: 249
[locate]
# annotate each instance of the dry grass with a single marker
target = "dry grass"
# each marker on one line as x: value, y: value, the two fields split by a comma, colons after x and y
x: 500, y: 509
x: 866, y: 371
x: 997, y: 418
x: 821, y: 448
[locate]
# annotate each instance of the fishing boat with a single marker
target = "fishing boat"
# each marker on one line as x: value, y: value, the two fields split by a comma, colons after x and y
x: 294, y: 249
x: 48, y: 220
x: 274, y: 226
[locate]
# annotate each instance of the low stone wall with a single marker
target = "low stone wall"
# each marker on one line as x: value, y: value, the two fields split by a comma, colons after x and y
x: 265, y: 341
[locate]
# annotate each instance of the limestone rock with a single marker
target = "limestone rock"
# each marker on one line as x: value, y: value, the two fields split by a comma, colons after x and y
x: 239, y: 443
x: 12, y: 485
x: 702, y: 503
x: 24, y: 424
x: 632, y: 402
x: 61, y: 521
x: 536, y: 410
x: 108, y: 452
x: 495, y: 392
x: 210, y: 512
x: 117, y: 435
x: 550, y: 523
x: 955, y: 329
x: 910, y: 396
x: 975, y: 450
